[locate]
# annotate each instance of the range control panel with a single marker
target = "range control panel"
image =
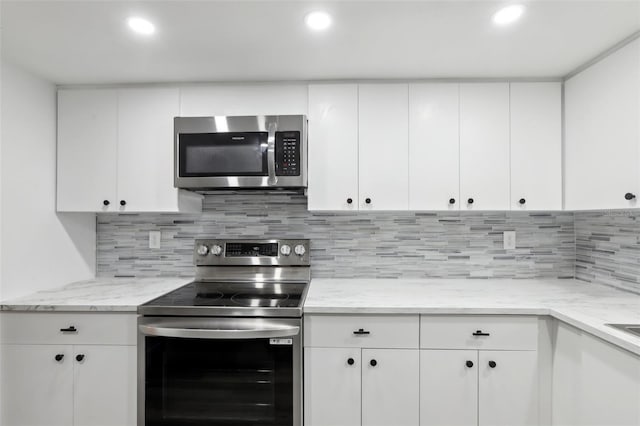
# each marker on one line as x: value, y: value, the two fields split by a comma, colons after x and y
x: 214, y: 252
x: 287, y: 153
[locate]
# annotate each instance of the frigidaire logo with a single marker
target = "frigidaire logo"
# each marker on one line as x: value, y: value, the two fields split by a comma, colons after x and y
x: 237, y: 138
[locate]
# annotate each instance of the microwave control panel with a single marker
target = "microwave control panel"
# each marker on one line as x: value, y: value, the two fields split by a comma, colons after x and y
x: 287, y: 153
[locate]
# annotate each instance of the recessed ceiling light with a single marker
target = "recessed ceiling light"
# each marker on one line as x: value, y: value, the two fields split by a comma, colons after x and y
x: 141, y: 26
x: 318, y: 20
x: 508, y: 15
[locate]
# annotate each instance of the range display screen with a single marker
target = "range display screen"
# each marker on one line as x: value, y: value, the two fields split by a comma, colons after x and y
x: 251, y: 250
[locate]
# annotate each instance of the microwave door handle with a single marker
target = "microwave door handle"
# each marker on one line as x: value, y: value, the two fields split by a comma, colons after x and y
x: 203, y: 333
x: 271, y: 153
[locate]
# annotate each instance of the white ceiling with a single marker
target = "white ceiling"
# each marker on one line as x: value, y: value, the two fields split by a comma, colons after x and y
x: 77, y: 42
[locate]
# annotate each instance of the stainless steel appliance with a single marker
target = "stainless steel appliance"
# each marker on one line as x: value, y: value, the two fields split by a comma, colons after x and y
x: 226, y: 349
x: 264, y: 152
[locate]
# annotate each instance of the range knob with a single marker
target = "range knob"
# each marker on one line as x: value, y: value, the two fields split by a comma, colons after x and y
x: 300, y: 250
x: 216, y: 250
x: 285, y: 250
x: 202, y: 250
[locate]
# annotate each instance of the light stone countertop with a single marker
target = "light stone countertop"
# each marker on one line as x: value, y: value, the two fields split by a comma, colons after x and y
x: 583, y: 305
x: 100, y: 294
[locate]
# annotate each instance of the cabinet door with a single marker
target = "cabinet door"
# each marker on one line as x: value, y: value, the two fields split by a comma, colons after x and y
x: 105, y: 385
x: 536, y: 146
x: 87, y: 151
x: 434, y: 154
x: 246, y: 99
x: 448, y: 388
x: 145, y: 149
x: 390, y: 387
x: 333, y: 147
x: 332, y: 390
x: 383, y: 117
x: 508, y: 392
x: 602, y: 133
x: 37, y: 390
x: 484, y: 146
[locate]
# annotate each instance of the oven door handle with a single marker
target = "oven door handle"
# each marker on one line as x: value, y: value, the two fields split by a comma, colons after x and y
x: 271, y: 153
x: 206, y: 333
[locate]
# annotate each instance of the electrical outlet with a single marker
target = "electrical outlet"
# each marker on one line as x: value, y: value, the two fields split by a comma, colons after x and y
x: 509, y: 240
x: 154, y: 239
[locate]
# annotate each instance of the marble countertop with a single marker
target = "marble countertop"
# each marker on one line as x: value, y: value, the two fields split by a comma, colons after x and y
x: 584, y: 305
x: 100, y: 294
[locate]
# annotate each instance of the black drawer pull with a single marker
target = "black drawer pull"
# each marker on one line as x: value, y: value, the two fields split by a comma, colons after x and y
x: 492, y: 364
x: 71, y: 329
x: 373, y: 363
x: 80, y: 357
x: 361, y: 331
x: 469, y: 364
x: 350, y: 361
x: 480, y: 333
x: 59, y: 357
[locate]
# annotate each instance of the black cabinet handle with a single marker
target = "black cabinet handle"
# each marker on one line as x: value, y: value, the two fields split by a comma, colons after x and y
x: 350, y: 361
x: 367, y: 200
x: 629, y: 196
x: 123, y: 203
x: 106, y: 202
x: 469, y: 364
x: 452, y: 200
x: 373, y: 362
x: 470, y: 201
x: 522, y: 201
x: 361, y: 331
x: 480, y: 333
x: 59, y: 357
x: 71, y: 329
x: 492, y: 364
x: 349, y: 201
x: 79, y: 357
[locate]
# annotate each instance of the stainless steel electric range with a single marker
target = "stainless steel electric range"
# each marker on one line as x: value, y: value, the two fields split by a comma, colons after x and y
x: 226, y: 349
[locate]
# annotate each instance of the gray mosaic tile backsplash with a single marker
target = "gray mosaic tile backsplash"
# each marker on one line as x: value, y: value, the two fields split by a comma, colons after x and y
x: 346, y: 244
x: 608, y: 248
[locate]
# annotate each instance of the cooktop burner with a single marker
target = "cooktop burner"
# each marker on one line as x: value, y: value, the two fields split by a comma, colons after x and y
x: 233, y: 295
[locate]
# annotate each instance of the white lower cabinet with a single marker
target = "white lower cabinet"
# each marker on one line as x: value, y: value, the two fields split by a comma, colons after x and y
x: 55, y: 374
x: 507, y: 388
x: 104, y: 385
x: 486, y: 388
x: 352, y: 386
x: 332, y: 386
x: 448, y: 387
x: 594, y: 382
x: 37, y: 390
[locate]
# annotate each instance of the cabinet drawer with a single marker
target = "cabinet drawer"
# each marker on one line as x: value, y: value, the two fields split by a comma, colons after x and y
x: 90, y: 328
x: 362, y: 331
x: 479, y: 332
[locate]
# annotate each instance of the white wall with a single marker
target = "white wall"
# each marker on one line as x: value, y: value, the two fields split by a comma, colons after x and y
x: 40, y: 248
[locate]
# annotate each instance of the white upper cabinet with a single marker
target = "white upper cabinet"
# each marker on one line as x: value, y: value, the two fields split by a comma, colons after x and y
x: 602, y: 133
x: 115, y: 152
x: 484, y: 146
x: 87, y: 150
x: 145, y: 150
x: 333, y: 147
x: 536, y: 146
x: 383, y: 116
x: 251, y: 99
x: 434, y: 154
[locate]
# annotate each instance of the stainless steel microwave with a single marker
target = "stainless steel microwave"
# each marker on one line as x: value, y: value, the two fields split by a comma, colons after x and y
x: 241, y: 152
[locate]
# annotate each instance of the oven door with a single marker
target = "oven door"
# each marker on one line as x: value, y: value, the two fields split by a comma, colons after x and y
x: 219, y: 371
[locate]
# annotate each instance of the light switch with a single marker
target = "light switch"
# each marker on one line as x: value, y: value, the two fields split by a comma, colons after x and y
x: 509, y: 240
x: 154, y: 239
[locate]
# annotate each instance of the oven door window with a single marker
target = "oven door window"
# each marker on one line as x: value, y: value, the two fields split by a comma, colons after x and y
x: 223, y: 154
x: 197, y: 382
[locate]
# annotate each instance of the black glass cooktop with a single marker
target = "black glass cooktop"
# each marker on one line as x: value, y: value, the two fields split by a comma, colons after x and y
x: 236, y: 295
